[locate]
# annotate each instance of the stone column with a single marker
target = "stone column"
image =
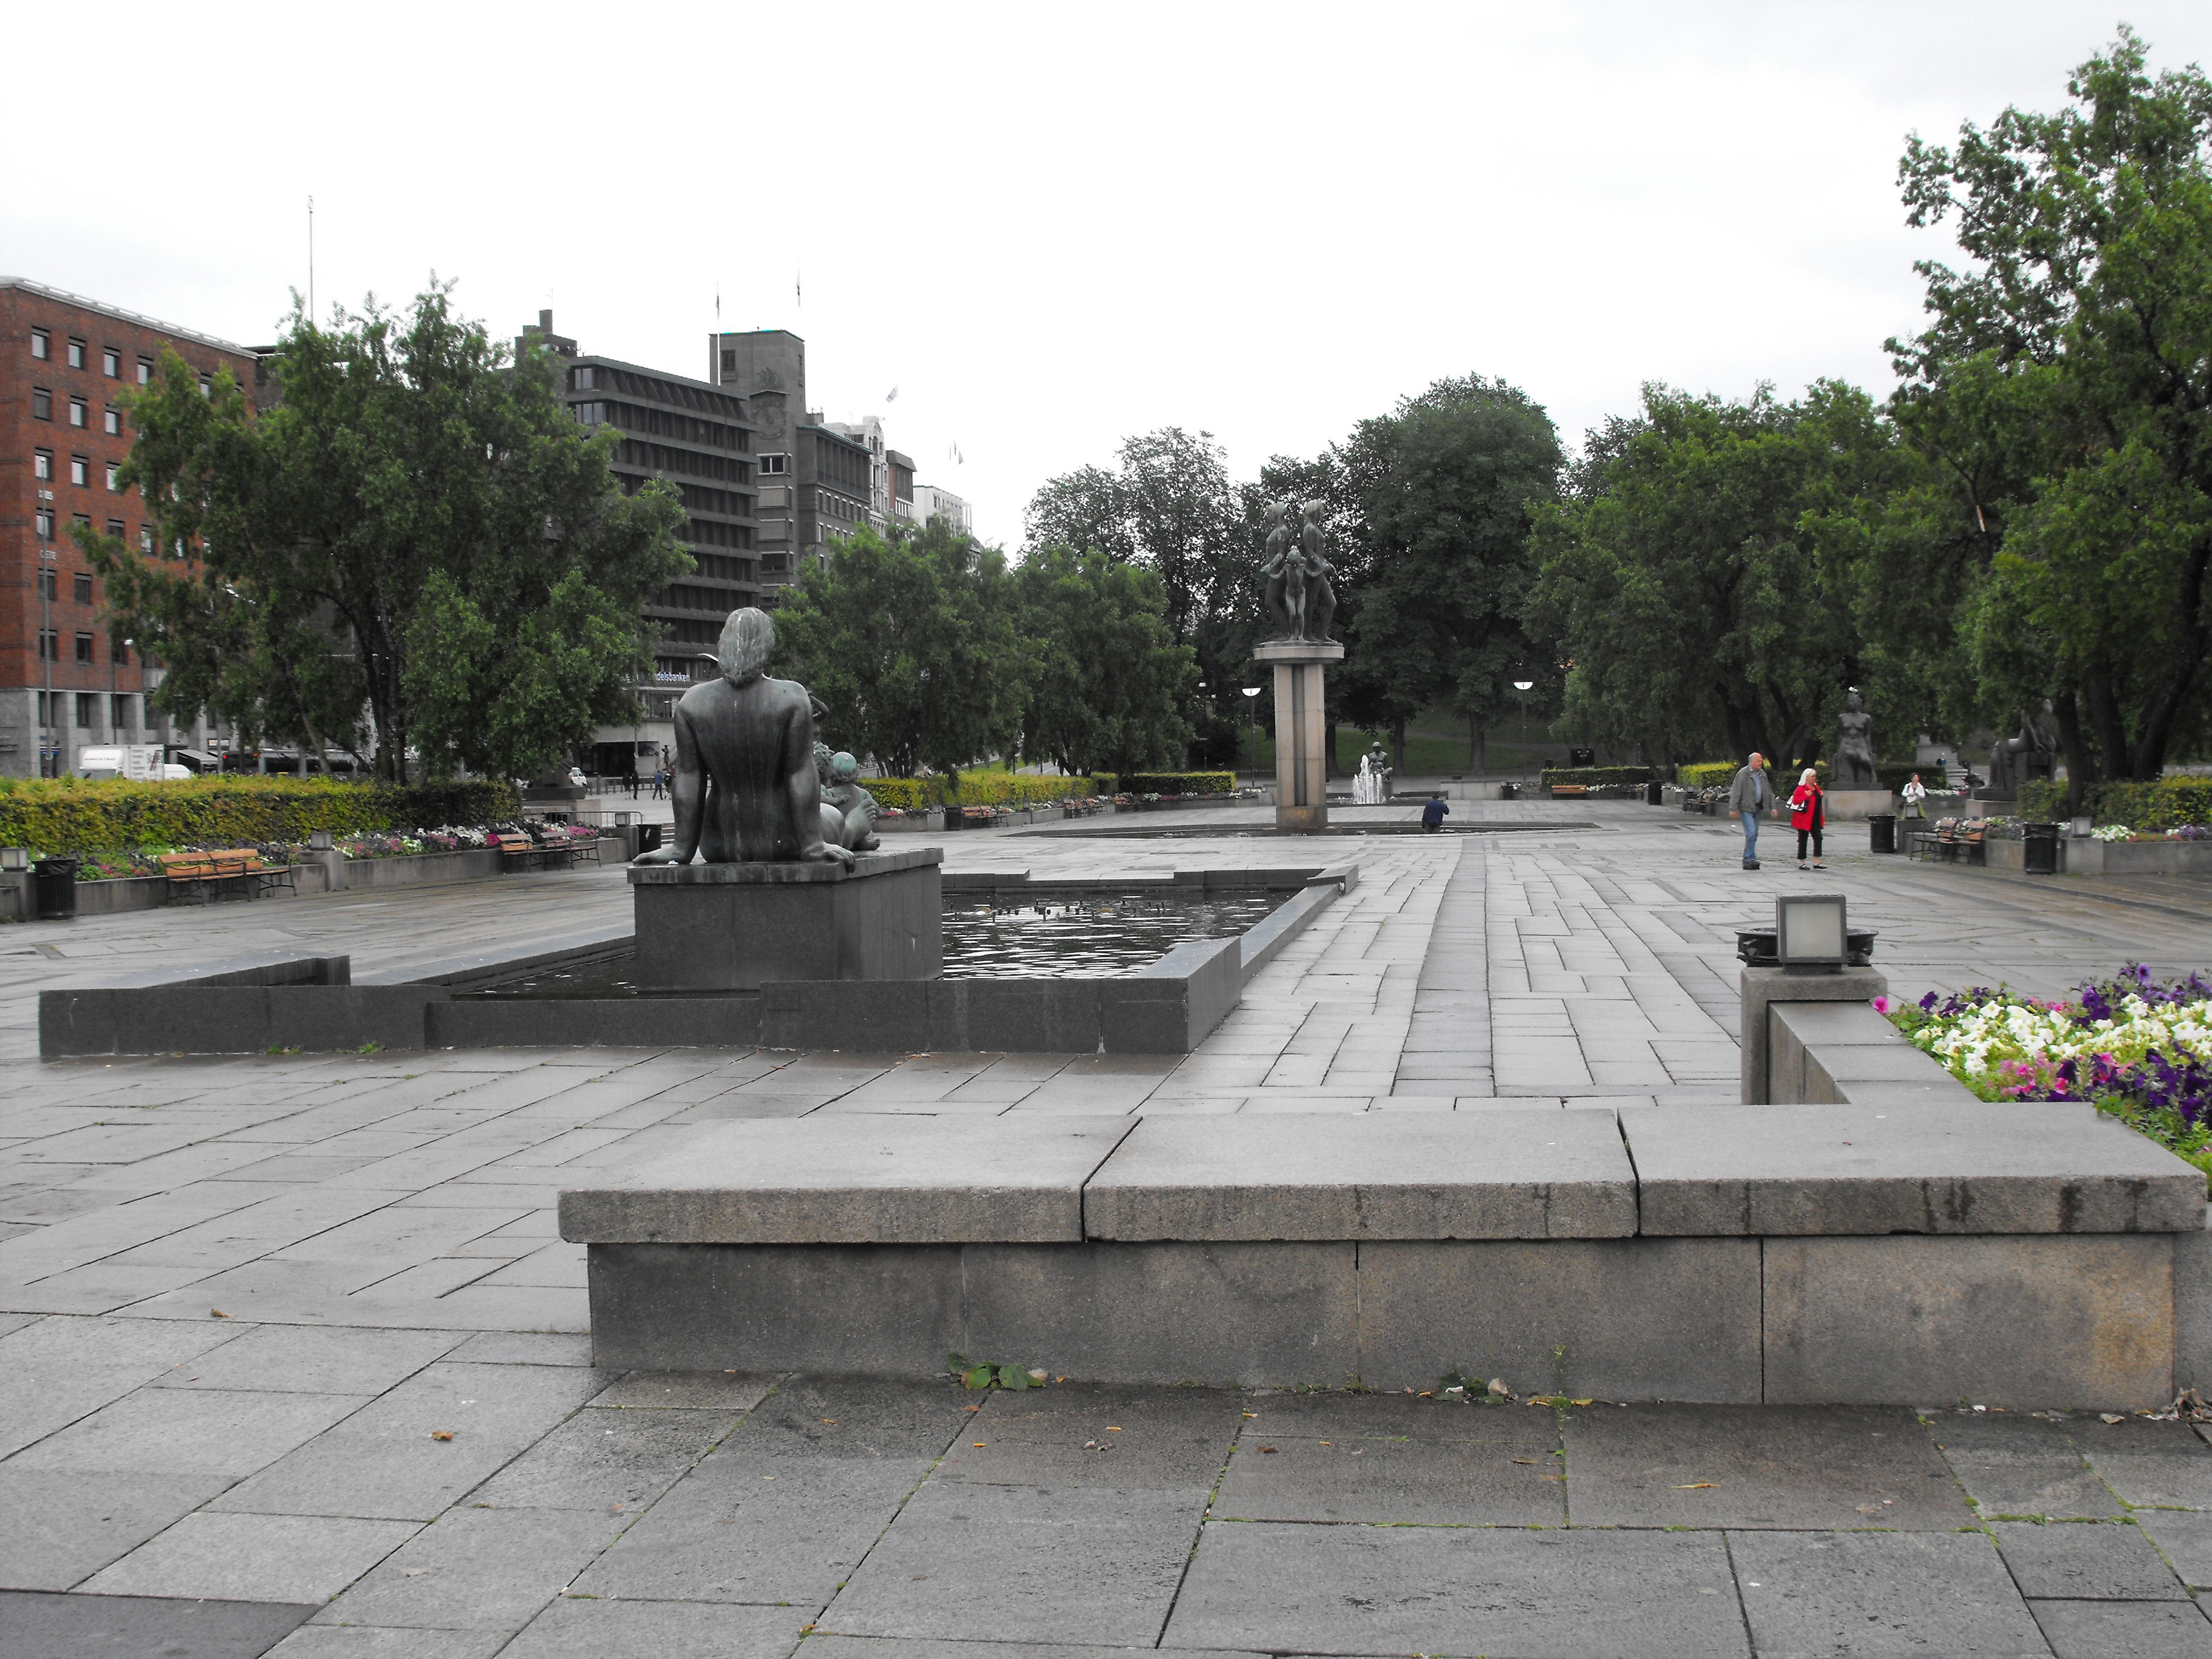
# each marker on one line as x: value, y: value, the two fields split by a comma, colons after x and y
x: 1301, y: 771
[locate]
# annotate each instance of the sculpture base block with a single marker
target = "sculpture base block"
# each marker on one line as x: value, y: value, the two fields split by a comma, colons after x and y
x: 1301, y: 731
x: 737, y: 927
x: 1844, y: 805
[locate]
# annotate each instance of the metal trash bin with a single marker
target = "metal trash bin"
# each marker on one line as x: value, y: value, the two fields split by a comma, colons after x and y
x: 1509, y: 791
x: 1653, y: 795
x: 54, y: 882
x: 2039, y: 848
x: 1881, y: 832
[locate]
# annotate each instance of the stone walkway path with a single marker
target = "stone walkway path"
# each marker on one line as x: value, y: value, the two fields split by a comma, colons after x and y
x: 241, y: 1296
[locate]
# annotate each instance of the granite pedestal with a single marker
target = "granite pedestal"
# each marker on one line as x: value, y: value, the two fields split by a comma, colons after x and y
x: 1301, y: 730
x: 738, y: 926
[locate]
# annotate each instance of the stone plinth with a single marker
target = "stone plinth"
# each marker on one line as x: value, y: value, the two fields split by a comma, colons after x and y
x: 1301, y: 730
x: 1845, y: 806
x: 738, y: 926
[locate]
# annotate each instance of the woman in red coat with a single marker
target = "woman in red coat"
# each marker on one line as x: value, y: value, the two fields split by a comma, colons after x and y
x: 1808, y: 815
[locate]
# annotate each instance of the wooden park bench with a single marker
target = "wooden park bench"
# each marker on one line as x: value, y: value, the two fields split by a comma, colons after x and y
x: 518, y: 852
x: 1559, y: 790
x: 1958, y: 840
x: 200, y: 873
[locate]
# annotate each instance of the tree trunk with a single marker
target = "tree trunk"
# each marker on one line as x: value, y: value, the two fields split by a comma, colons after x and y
x: 1329, y: 769
x: 1398, y: 749
x: 2166, y: 703
x: 2105, y: 719
x: 1474, y: 744
x: 2080, y: 763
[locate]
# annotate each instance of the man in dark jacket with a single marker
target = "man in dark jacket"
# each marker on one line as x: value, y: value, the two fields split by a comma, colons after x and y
x: 1750, y: 795
x: 1432, y: 814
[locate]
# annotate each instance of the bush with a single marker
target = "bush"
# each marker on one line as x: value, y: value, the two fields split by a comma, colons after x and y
x: 75, y: 815
x: 1593, y: 776
x: 2166, y: 804
x: 1178, y: 783
x: 984, y: 789
x: 1704, y: 774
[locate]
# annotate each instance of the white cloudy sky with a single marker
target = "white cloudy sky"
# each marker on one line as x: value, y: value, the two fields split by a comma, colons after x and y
x: 1047, y: 226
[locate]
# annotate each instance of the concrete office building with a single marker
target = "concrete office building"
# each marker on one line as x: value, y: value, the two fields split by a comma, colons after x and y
x: 815, y: 480
x: 930, y: 502
x: 64, y: 433
x: 700, y: 439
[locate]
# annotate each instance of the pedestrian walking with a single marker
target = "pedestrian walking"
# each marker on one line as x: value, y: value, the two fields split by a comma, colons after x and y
x: 1808, y: 815
x: 1916, y: 798
x: 1749, y: 795
x: 660, y: 783
x: 1433, y: 813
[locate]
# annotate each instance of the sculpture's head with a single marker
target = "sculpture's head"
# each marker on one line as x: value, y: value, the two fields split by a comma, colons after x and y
x: 1275, y: 511
x: 1853, y: 701
x: 1313, y: 510
x: 843, y: 768
x: 747, y: 638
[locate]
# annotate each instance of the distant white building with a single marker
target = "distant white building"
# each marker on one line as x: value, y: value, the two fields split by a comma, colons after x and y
x: 930, y: 501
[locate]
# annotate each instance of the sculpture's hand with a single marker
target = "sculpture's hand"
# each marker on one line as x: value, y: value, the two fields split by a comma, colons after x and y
x: 828, y: 853
x: 665, y: 854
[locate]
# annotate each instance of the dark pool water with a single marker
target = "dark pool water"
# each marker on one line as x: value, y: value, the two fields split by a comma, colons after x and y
x: 1028, y: 937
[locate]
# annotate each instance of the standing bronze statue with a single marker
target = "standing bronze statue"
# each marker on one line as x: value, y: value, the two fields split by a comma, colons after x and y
x: 1854, y: 767
x: 1321, y: 597
x: 1276, y: 570
x: 745, y: 788
x: 1301, y: 602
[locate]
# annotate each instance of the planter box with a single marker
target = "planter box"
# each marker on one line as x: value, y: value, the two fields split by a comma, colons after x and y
x: 417, y: 869
x: 2090, y: 857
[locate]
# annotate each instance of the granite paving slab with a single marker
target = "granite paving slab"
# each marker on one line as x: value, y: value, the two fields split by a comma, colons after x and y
x: 176, y: 1432
x: 2085, y: 1560
x: 1355, y: 1589
x: 2140, y: 1630
x: 1023, y: 1564
x: 1870, y: 1593
x: 124, y: 1627
x: 1397, y: 1481
x: 253, y: 1557
x: 2183, y: 1538
x: 1079, y: 1435
x: 869, y: 1179
x: 616, y: 1461
x: 1658, y: 1465
x: 306, y: 1359
x: 58, y: 1527
x: 2151, y: 1465
x: 484, y: 1570
x: 1381, y: 1175
x: 2016, y: 1464
x: 574, y: 1629
x: 372, y: 1641
x: 2013, y: 1167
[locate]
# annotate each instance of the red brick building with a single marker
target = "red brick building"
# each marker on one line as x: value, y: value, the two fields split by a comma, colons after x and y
x: 64, y: 362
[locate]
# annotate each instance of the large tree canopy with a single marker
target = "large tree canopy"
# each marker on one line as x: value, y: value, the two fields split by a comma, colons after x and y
x: 1683, y: 577
x: 2062, y: 393
x: 1111, y: 681
x: 416, y: 547
x: 909, y: 640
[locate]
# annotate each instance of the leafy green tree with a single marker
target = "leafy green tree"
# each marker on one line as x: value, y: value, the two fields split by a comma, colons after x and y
x: 2063, y: 393
x: 910, y: 641
x: 1168, y: 506
x: 1684, y: 579
x: 418, y: 547
x: 1111, y: 680
x: 1438, y: 566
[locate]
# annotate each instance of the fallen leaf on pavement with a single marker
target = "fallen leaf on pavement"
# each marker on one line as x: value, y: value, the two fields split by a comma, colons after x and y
x: 2112, y: 1417
x: 1267, y: 1449
x: 218, y: 1313
x: 1696, y: 1485
x: 442, y: 1434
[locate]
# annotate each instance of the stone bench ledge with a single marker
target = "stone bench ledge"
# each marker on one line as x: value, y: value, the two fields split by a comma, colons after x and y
x: 1977, y: 1167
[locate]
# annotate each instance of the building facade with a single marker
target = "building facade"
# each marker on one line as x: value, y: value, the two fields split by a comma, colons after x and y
x: 930, y: 502
x: 700, y: 439
x: 63, y: 434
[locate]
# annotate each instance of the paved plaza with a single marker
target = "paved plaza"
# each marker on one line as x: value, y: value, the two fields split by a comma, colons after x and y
x: 293, y: 1361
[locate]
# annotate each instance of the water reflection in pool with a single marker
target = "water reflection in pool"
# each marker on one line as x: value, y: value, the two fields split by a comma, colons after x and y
x: 1029, y: 936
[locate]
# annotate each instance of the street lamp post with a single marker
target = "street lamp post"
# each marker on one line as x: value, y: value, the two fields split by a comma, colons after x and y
x: 1252, y: 720
x: 1521, y: 686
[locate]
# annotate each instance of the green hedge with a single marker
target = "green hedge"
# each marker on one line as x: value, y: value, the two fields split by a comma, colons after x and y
x: 1593, y: 776
x: 75, y: 815
x: 984, y: 789
x: 1178, y: 783
x: 2166, y: 804
x: 1704, y: 775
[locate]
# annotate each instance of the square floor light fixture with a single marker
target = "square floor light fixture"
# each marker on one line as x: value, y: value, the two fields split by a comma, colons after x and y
x: 15, y: 857
x: 1809, y: 931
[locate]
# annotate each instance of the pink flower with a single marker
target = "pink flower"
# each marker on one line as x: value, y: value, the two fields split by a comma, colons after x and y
x: 1881, y: 1004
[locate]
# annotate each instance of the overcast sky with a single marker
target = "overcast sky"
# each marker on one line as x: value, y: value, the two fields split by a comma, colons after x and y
x: 1048, y: 227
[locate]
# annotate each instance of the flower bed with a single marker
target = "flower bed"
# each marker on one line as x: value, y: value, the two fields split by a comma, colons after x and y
x: 2129, y: 1045
x: 2121, y: 832
x: 123, y: 864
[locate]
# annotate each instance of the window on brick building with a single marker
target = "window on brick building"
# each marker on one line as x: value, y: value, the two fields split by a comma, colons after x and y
x: 115, y: 529
x: 82, y: 588
x: 87, y: 702
x: 42, y: 464
x: 122, y: 713
x: 47, y: 581
x: 43, y: 522
x: 42, y: 404
x: 145, y: 371
x: 80, y: 470
x: 145, y: 539
x: 207, y: 386
x: 111, y: 363
x: 84, y: 654
x: 50, y: 649
x: 113, y: 422
x: 41, y: 344
x: 77, y: 354
x: 114, y: 468
x: 76, y: 411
